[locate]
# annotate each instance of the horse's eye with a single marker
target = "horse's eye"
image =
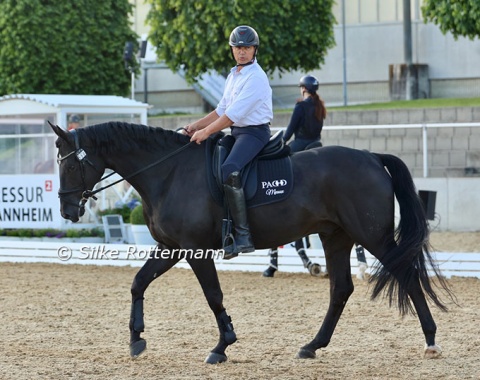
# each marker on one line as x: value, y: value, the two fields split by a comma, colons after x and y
x: 71, y: 168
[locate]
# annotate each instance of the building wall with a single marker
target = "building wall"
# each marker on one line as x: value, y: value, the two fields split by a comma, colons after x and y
x: 374, y: 40
x: 457, y: 202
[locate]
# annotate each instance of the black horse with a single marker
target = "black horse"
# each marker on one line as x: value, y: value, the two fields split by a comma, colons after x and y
x: 344, y: 195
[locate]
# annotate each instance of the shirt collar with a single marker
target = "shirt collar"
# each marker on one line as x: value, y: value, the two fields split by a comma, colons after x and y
x: 245, y: 68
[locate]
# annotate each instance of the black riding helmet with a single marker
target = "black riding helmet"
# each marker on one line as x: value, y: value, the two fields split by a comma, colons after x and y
x: 310, y: 83
x: 244, y: 35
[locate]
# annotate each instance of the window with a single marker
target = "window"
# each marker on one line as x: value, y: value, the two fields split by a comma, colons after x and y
x: 27, y: 146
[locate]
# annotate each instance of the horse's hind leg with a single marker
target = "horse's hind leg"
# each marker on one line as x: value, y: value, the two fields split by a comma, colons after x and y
x: 416, y: 295
x: 337, y: 254
x: 153, y: 268
x: 426, y: 320
x: 207, y: 276
x: 313, y: 268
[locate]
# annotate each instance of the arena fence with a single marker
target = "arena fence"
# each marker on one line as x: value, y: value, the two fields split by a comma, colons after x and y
x: 423, y: 127
x: 461, y: 264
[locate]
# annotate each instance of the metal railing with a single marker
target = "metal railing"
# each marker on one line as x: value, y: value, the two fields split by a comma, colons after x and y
x: 424, y: 127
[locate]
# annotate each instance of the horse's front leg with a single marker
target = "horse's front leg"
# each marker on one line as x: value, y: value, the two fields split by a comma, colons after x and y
x: 337, y: 253
x: 154, y: 267
x: 207, y: 276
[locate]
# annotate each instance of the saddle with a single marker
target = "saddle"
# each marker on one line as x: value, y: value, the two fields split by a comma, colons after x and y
x: 268, y: 178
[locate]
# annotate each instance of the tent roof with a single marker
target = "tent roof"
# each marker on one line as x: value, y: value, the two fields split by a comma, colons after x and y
x: 78, y: 100
x: 24, y: 104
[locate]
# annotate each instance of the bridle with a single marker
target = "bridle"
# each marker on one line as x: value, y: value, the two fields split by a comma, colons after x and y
x: 83, y: 160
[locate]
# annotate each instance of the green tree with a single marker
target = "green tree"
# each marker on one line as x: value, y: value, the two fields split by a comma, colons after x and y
x: 69, y: 47
x: 193, y: 35
x: 460, y: 17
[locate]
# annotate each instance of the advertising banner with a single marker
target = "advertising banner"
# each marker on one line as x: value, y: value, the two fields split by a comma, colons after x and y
x: 29, y: 201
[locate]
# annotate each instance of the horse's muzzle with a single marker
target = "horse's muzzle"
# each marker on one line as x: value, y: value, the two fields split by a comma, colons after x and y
x: 74, y: 216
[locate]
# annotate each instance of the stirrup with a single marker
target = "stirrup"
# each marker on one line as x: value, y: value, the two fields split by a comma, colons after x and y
x: 234, y: 249
x: 229, y: 247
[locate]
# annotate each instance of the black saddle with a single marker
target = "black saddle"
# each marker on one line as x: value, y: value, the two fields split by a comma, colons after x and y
x: 267, y: 179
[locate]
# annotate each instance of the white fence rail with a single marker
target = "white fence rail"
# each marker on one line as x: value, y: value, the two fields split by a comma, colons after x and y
x: 451, y: 263
x: 424, y: 127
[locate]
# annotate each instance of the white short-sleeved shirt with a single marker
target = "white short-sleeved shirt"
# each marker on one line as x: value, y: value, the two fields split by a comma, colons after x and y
x: 247, y: 98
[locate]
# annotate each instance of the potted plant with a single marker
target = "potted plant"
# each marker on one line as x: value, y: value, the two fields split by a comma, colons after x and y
x: 139, y: 227
x: 124, y: 210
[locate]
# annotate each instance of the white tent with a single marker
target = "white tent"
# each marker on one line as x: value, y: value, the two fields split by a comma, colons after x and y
x: 36, y: 106
x: 28, y: 174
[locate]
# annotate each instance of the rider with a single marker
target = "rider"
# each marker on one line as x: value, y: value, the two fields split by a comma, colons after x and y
x: 307, y: 118
x: 245, y: 107
x: 306, y: 124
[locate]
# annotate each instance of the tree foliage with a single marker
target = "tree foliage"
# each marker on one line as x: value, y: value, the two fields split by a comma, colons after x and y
x: 69, y: 47
x: 193, y: 35
x: 460, y: 17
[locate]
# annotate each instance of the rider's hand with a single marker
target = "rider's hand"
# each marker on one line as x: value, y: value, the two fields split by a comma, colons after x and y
x: 199, y: 136
x: 189, y: 130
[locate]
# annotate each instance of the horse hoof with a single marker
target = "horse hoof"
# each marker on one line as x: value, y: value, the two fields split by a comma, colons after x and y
x: 361, y: 271
x: 269, y: 272
x: 315, y: 270
x: 432, y: 352
x: 305, y: 354
x: 137, y: 348
x: 214, y: 358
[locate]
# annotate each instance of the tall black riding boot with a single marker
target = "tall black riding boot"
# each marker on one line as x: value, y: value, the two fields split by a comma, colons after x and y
x: 236, y: 202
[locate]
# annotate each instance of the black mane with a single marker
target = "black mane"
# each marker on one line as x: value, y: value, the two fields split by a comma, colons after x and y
x: 117, y: 136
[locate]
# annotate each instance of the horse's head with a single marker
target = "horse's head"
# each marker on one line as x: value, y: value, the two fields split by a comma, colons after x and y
x: 80, y: 170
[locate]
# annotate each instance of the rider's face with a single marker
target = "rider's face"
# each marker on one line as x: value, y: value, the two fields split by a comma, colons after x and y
x: 243, y: 54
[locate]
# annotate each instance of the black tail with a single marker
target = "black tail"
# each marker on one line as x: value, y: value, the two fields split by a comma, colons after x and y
x: 409, y: 259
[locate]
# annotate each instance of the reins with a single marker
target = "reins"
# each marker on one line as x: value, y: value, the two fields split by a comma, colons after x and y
x: 81, y: 157
x: 90, y: 193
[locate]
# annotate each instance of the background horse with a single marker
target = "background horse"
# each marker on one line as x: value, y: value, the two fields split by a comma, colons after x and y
x: 344, y: 195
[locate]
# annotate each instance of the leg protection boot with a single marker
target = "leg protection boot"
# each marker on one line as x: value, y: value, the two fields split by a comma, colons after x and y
x: 272, y: 268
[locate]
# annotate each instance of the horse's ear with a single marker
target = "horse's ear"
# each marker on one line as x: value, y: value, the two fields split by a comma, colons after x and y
x: 59, y: 131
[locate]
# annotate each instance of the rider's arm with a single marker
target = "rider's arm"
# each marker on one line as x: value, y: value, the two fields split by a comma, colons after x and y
x: 201, y: 123
x: 219, y: 124
x: 295, y: 122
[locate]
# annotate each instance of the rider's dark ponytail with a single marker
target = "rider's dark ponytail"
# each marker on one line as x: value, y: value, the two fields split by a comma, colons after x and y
x: 320, y: 110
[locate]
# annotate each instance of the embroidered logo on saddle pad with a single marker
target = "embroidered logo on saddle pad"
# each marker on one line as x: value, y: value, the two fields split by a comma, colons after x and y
x: 268, y: 181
